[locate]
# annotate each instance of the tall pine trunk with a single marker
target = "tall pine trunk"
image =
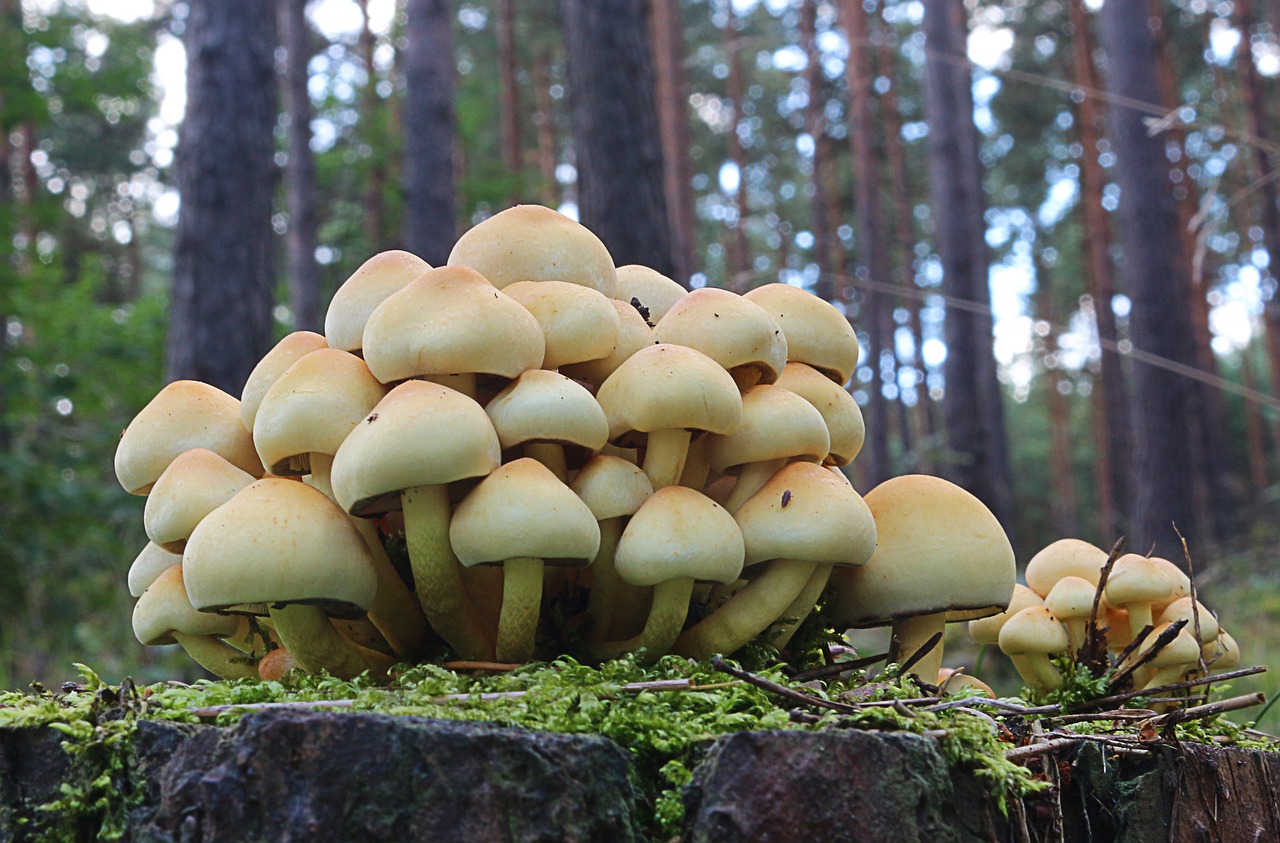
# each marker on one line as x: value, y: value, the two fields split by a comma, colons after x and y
x: 666, y: 34
x: 220, y: 310
x: 509, y: 96
x: 815, y: 126
x: 1062, y: 500
x: 738, y: 257
x: 544, y: 121
x: 300, y: 176
x: 372, y: 123
x: 973, y: 403
x: 430, y: 225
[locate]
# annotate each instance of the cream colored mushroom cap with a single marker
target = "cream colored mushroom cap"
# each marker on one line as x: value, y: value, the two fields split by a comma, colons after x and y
x: 817, y: 333
x: 149, y: 564
x: 279, y: 541
x: 419, y: 434
x: 841, y: 413
x: 1222, y: 654
x: 274, y: 364
x: 163, y: 609
x: 939, y: 549
x: 1188, y: 609
x: 535, y: 243
x: 1183, y: 649
x: 451, y: 321
x: 376, y: 279
x: 1136, y: 579
x: 611, y: 487
x: 546, y: 406
x: 578, y: 323
x: 523, y: 510
x: 1177, y: 578
x: 735, y: 332
x: 665, y: 386
x: 1072, y: 597
x: 654, y: 291
x: 182, y: 416
x: 805, y: 513
x: 1065, y: 557
x: 1033, y: 631
x: 776, y: 424
x: 680, y: 532
x: 987, y: 630
x: 195, y: 483
x: 311, y: 409
x: 633, y: 334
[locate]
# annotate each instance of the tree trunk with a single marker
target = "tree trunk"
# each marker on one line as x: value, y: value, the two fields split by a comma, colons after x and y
x: 220, y: 312
x: 1062, y: 500
x: 666, y: 29
x: 973, y: 403
x: 614, y: 119
x: 815, y: 126
x: 1160, y: 400
x: 371, y: 124
x: 512, y: 149
x: 300, y: 176
x: 738, y: 257
x: 544, y: 120
x: 430, y: 227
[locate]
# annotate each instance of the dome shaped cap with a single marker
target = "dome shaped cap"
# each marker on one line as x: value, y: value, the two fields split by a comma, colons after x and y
x: 523, y: 510
x: 278, y: 542
x: 545, y: 406
x: 195, y: 483
x: 776, y: 424
x: 817, y: 333
x: 1064, y: 558
x: 652, y: 290
x: 274, y: 364
x: 182, y: 416
x: 1033, y: 631
x: 419, y: 434
x: 578, y: 323
x: 736, y: 333
x: 633, y: 334
x: 535, y: 243
x: 1136, y: 579
x: 669, y: 386
x: 451, y: 321
x: 845, y: 426
x: 376, y: 279
x: 164, y: 609
x: 149, y: 564
x: 987, y: 630
x: 1184, y: 608
x: 611, y: 487
x: 680, y: 532
x: 312, y: 407
x: 939, y: 549
x: 804, y: 512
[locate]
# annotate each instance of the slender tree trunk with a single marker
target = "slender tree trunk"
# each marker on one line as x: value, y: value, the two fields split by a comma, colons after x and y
x: 1160, y: 400
x: 666, y: 28
x: 1255, y: 451
x: 973, y: 403
x: 429, y: 131
x: 220, y: 310
x: 544, y: 122
x: 1062, y: 503
x: 301, y: 238
x: 738, y: 255
x: 815, y: 126
x: 613, y: 114
x: 371, y: 113
x: 509, y: 96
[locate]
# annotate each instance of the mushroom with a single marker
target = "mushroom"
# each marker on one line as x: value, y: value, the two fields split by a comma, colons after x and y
x: 376, y: 279
x: 269, y: 369
x: 954, y: 683
x: 1029, y: 638
x: 1071, y: 601
x: 578, y: 323
x: 633, y: 334
x: 648, y: 289
x: 195, y: 483
x: 544, y: 413
x: 1064, y: 558
x: 987, y: 630
x: 731, y: 330
x: 845, y: 426
x: 1184, y: 608
x: 1222, y: 654
x: 1134, y: 585
x: 1173, y: 659
x: 522, y: 517
x: 149, y: 564
x: 164, y: 615
x: 818, y: 334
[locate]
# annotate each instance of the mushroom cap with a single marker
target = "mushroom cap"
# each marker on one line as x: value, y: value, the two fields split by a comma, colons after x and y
x: 535, y: 243
x: 419, y: 434
x: 1136, y: 579
x: 776, y: 424
x: 312, y: 407
x: 735, y: 332
x: 1065, y: 557
x: 376, y: 279
x: 841, y: 413
x: 274, y: 364
x: 987, y: 630
x: 939, y: 549
x: 164, y: 609
x: 611, y: 487
x: 1177, y: 577
x: 578, y: 323
x: 951, y: 683
x: 523, y: 510
x: 665, y: 386
x: 654, y: 291
x: 1185, y: 607
x: 195, y: 483
x: 182, y: 416
x: 1034, y: 631
x: 451, y: 321
x: 803, y: 512
x: 278, y: 541
x: 1072, y: 597
x: 149, y: 564
x: 633, y: 334
x: 680, y: 532
x: 1222, y: 654
x: 817, y: 333
x: 546, y: 406
x: 1183, y: 649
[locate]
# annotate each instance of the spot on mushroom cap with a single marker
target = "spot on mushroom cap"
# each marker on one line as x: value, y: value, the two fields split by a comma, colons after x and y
x: 545, y: 406
x: 669, y: 386
x: 195, y: 483
x: 680, y: 532
x: 732, y: 330
x: 578, y: 323
x: 611, y: 487
x: 776, y: 424
x: 164, y: 609
x: 272, y: 365
x: 841, y: 413
x: 1065, y: 557
x: 817, y: 333
x: 1033, y: 631
x: 376, y: 279
x: 656, y: 292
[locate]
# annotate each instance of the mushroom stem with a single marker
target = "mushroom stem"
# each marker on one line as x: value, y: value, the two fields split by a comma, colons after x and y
x: 551, y: 455
x: 1037, y: 671
x: 220, y: 659
x: 464, y: 383
x: 305, y: 632
x: 697, y: 464
x: 749, y: 612
x: 521, y: 605
x: 753, y: 476
x: 666, y: 619
x: 910, y: 634
x: 437, y: 572
x: 800, y: 608
x: 1075, y: 633
x: 1139, y: 616
x: 606, y: 585
x: 664, y: 456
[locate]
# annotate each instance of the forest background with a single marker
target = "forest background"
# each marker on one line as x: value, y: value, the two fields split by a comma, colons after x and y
x: 1051, y: 223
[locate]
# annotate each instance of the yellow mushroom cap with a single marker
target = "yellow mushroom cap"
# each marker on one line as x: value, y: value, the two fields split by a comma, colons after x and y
x: 776, y: 424
x: 535, y: 243
x: 376, y: 279
x: 1065, y: 557
x: 987, y: 630
x: 164, y: 609
x: 545, y: 406
x: 182, y: 416
x: 1136, y: 579
x: 654, y: 291
x: 680, y: 532
x: 578, y: 323
x: 149, y: 564
x: 611, y: 486
x: 274, y: 364
x: 1222, y: 654
x: 664, y: 386
x: 633, y: 334
x: 1034, y: 631
x: 843, y: 418
x: 195, y: 483
x: 1177, y: 577
x: 817, y: 333
x: 1184, y: 649
x: 1188, y: 609
x: 1072, y: 597
x: 735, y: 332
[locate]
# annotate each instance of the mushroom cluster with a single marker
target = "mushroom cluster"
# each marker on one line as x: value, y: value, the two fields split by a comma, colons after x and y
x: 533, y: 421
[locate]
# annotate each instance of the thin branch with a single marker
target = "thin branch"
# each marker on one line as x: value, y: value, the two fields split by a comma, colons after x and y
x: 781, y: 690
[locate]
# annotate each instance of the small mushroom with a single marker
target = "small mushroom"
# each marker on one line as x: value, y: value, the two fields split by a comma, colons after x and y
x: 1029, y: 638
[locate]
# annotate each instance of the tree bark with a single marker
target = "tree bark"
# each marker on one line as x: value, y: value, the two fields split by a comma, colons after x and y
x: 614, y: 120
x: 666, y: 29
x: 738, y: 257
x: 220, y: 311
x: 544, y: 120
x: 1160, y: 400
x: 300, y: 176
x: 973, y: 403
x: 815, y: 126
x: 371, y: 123
x: 1062, y: 501
x: 430, y: 227
x: 509, y: 95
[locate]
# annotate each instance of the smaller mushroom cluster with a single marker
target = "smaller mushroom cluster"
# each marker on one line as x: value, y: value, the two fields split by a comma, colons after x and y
x: 533, y: 421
